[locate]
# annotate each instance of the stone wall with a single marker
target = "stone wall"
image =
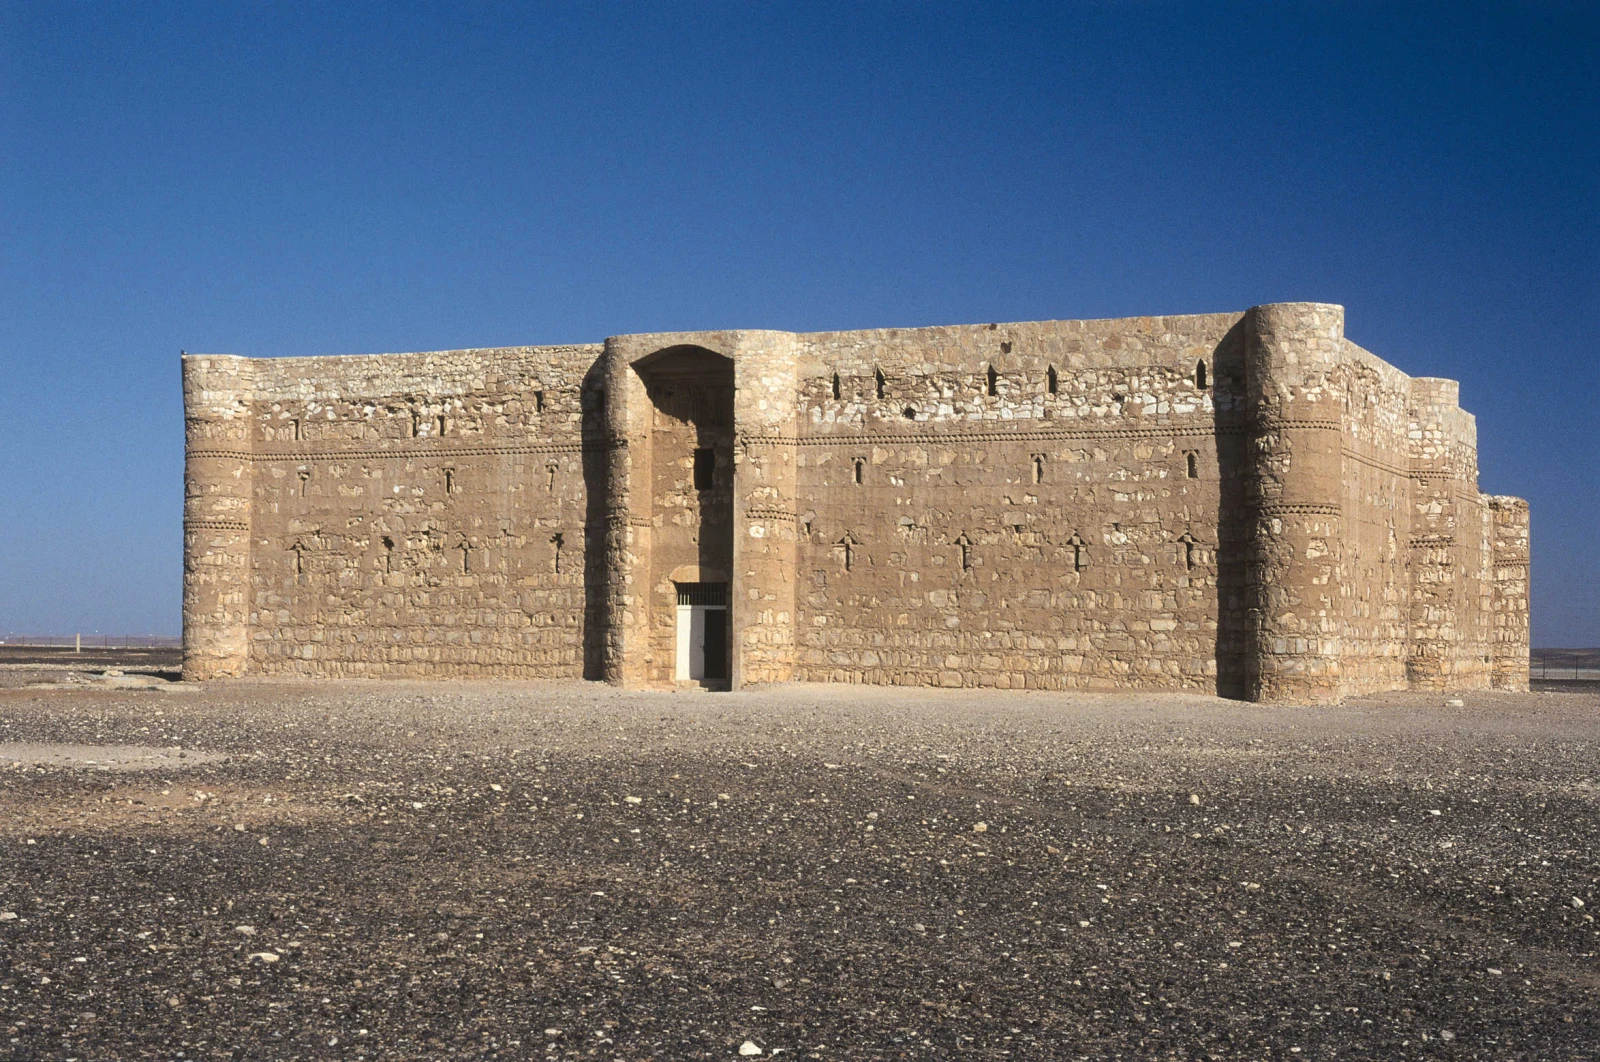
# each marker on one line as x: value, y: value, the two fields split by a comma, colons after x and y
x: 1018, y: 506
x: 420, y: 514
x: 1247, y: 503
x: 1376, y: 491
x: 1508, y: 635
x: 1451, y: 551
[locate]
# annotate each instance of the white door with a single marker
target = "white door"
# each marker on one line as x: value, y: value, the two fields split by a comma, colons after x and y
x: 691, y: 642
x: 695, y: 627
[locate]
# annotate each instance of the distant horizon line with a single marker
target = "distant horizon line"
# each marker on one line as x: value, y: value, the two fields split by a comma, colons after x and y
x: 19, y: 637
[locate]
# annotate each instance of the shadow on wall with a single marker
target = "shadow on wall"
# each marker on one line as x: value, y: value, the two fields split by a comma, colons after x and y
x: 596, y: 453
x: 1238, y: 595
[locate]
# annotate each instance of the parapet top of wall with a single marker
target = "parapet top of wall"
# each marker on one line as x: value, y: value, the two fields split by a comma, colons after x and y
x: 217, y: 386
x: 1112, y: 343
x: 765, y: 386
x: 1436, y: 390
x: 1294, y: 339
x: 730, y: 342
x: 1115, y: 341
x: 1391, y: 375
x: 201, y: 369
x: 1329, y: 312
x: 437, y: 372
x: 1438, y: 418
x: 1119, y: 342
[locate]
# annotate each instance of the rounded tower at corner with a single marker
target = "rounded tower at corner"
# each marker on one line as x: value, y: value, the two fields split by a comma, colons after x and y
x: 216, y: 514
x: 1292, y: 563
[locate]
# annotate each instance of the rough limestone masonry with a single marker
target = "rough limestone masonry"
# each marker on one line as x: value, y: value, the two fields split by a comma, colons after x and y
x: 1245, y: 503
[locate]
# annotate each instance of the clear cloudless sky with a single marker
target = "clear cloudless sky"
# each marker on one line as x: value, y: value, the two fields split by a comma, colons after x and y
x: 345, y: 178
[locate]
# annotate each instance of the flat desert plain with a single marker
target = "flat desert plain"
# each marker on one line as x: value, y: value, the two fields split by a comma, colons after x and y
x: 399, y: 870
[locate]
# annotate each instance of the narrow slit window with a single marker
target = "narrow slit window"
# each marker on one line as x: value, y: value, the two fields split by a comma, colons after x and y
x: 861, y: 470
x: 705, y: 468
x: 1052, y: 382
x: 837, y: 390
x: 441, y: 424
x: 1200, y: 374
x: 1079, y: 550
x: 388, y: 555
x: 994, y: 382
x: 556, y: 542
x: 538, y: 401
x: 449, y: 481
x: 1193, y: 461
x: 1188, y: 544
x: 1038, y: 468
x: 305, y: 479
x: 964, y: 544
x: 294, y: 428
x: 882, y: 382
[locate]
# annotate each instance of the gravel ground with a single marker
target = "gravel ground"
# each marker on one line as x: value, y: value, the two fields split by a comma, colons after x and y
x: 51, y: 660
x: 464, y: 870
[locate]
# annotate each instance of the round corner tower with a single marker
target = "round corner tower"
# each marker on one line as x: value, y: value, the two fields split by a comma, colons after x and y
x: 216, y: 515
x: 1292, y: 351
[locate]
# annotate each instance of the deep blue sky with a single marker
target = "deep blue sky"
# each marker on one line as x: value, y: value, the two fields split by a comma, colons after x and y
x: 274, y: 180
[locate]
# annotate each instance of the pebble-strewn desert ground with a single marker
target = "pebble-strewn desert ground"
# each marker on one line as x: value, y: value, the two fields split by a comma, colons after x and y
x: 458, y: 870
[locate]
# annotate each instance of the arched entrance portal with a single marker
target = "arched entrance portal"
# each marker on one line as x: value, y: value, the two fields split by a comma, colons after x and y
x: 691, y: 514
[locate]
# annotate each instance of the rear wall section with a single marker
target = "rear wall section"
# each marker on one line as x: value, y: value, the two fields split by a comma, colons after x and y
x: 1374, y: 585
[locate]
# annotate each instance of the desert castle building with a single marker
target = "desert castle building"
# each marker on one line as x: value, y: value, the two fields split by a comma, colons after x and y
x: 1241, y: 502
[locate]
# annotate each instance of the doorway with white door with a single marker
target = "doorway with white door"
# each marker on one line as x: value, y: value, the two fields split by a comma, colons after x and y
x: 702, y: 634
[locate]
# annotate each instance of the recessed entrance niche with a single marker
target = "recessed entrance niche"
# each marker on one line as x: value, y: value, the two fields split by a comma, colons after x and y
x: 690, y: 473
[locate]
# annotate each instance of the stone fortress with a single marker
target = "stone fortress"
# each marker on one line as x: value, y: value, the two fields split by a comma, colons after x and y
x: 1245, y: 503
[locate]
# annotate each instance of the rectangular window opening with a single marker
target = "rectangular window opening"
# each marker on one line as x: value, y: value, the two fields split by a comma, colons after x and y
x: 714, y: 595
x: 705, y: 468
